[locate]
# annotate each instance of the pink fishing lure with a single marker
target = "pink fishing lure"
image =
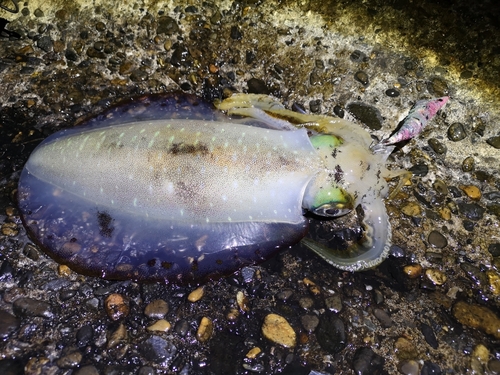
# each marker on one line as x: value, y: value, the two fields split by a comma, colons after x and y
x: 418, y: 117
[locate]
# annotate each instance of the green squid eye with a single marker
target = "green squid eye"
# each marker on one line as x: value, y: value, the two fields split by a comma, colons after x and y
x: 330, y: 202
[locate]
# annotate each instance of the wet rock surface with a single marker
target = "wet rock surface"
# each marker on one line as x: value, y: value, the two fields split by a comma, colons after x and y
x: 431, y: 308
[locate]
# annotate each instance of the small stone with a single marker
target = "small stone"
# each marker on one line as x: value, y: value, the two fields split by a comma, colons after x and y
x: 339, y: 111
x: 70, y: 360
x: 29, y: 307
x: 494, y: 249
x: 471, y: 191
x: 196, y: 294
x: 253, y: 353
x: 362, y: 77
x: 435, y: 276
x: 116, y: 306
x: 315, y: 106
x: 279, y: 331
x: 118, y: 337
x: 472, y: 211
x: 205, y: 330
x: 167, y: 25
x: 419, y: 170
x: 313, y: 288
x: 494, y: 366
x: 494, y: 281
x: 405, y: 349
x: 157, y: 349
x: 242, y: 301
x: 468, y: 164
x: 436, y: 239
x: 367, y: 362
x: 63, y: 270
x: 481, y: 352
x: 409, y: 368
x: 384, y: 318
x: 367, y: 114
x: 456, y: 132
x: 411, y: 209
x: 438, y: 87
x: 309, y: 322
x: 437, y: 146
x: 430, y: 368
x: 334, y: 303
x: 393, y: 93
x: 9, y: 229
x: 45, y: 43
x: 358, y: 56
x: 476, y: 316
x: 156, y: 309
x: 235, y: 33
x: 161, y: 325
x: 494, y: 141
x: 429, y: 335
x: 306, y: 302
x: 8, y: 324
x: 331, y: 334
x: 86, y: 370
x: 257, y: 86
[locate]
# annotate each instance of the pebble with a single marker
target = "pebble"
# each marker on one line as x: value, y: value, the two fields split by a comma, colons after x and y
x: 471, y: 191
x: 367, y: 362
x: 8, y: 324
x: 339, y: 111
x: 472, y: 211
x: 494, y: 281
x: 157, y: 349
x: 409, y: 368
x: 84, y: 335
x: 438, y: 87
x: 156, y: 309
x: 161, y: 325
x: 494, y: 249
x: 358, y: 56
x: 334, y: 303
x: 205, y: 329
x: 411, y: 209
x: 494, y: 141
x: 476, y: 316
x: 405, y: 349
x: 437, y: 146
x: 309, y: 322
x: 468, y: 164
x: 242, y: 301
x: 306, y: 302
x: 481, y: 352
x: 435, y: 276
x: 167, y: 25
x: 29, y: 307
x: 429, y: 335
x: 430, y: 368
x: 311, y: 285
x: 315, y: 106
x: 456, y: 132
x: 196, y: 294
x: 494, y: 366
x: 393, y: 93
x: 117, y: 337
x: 331, y: 334
x: 276, y: 329
x: 45, y: 43
x: 436, y: 239
x: 419, y: 170
x: 474, y: 273
x: 253, y: 353
x: 445, y: 213
x: 383, y: 317
x: 492, y: 195
x: 257, y: 86
x: 116, y: 306
x: 361, y: 77
x: 70, y: 360
x: 87, y: 370
x: 367, y: 114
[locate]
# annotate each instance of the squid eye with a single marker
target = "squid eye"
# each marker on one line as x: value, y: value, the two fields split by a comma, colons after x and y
x: 329, y: 210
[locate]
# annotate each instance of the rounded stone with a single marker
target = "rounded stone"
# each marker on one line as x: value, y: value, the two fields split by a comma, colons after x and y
x: 156, y: 309
x: 471, y: 191
x: 436, y: 239
x: 438, y: 86
x: 393, y: 93
x: 278, y: 330
x: 494, y: 141
x: 362, y: 78
x: 405, y: 349
x: 476, y: 316
x: 161, y: 326
x: 437, y: 146
x: 468, y: 164
x: 413, y: 270
x: 116, y: 306
x: 205, y: 329
x: 196, y: 294
x: 436, y: 276
x: 456, y: 132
